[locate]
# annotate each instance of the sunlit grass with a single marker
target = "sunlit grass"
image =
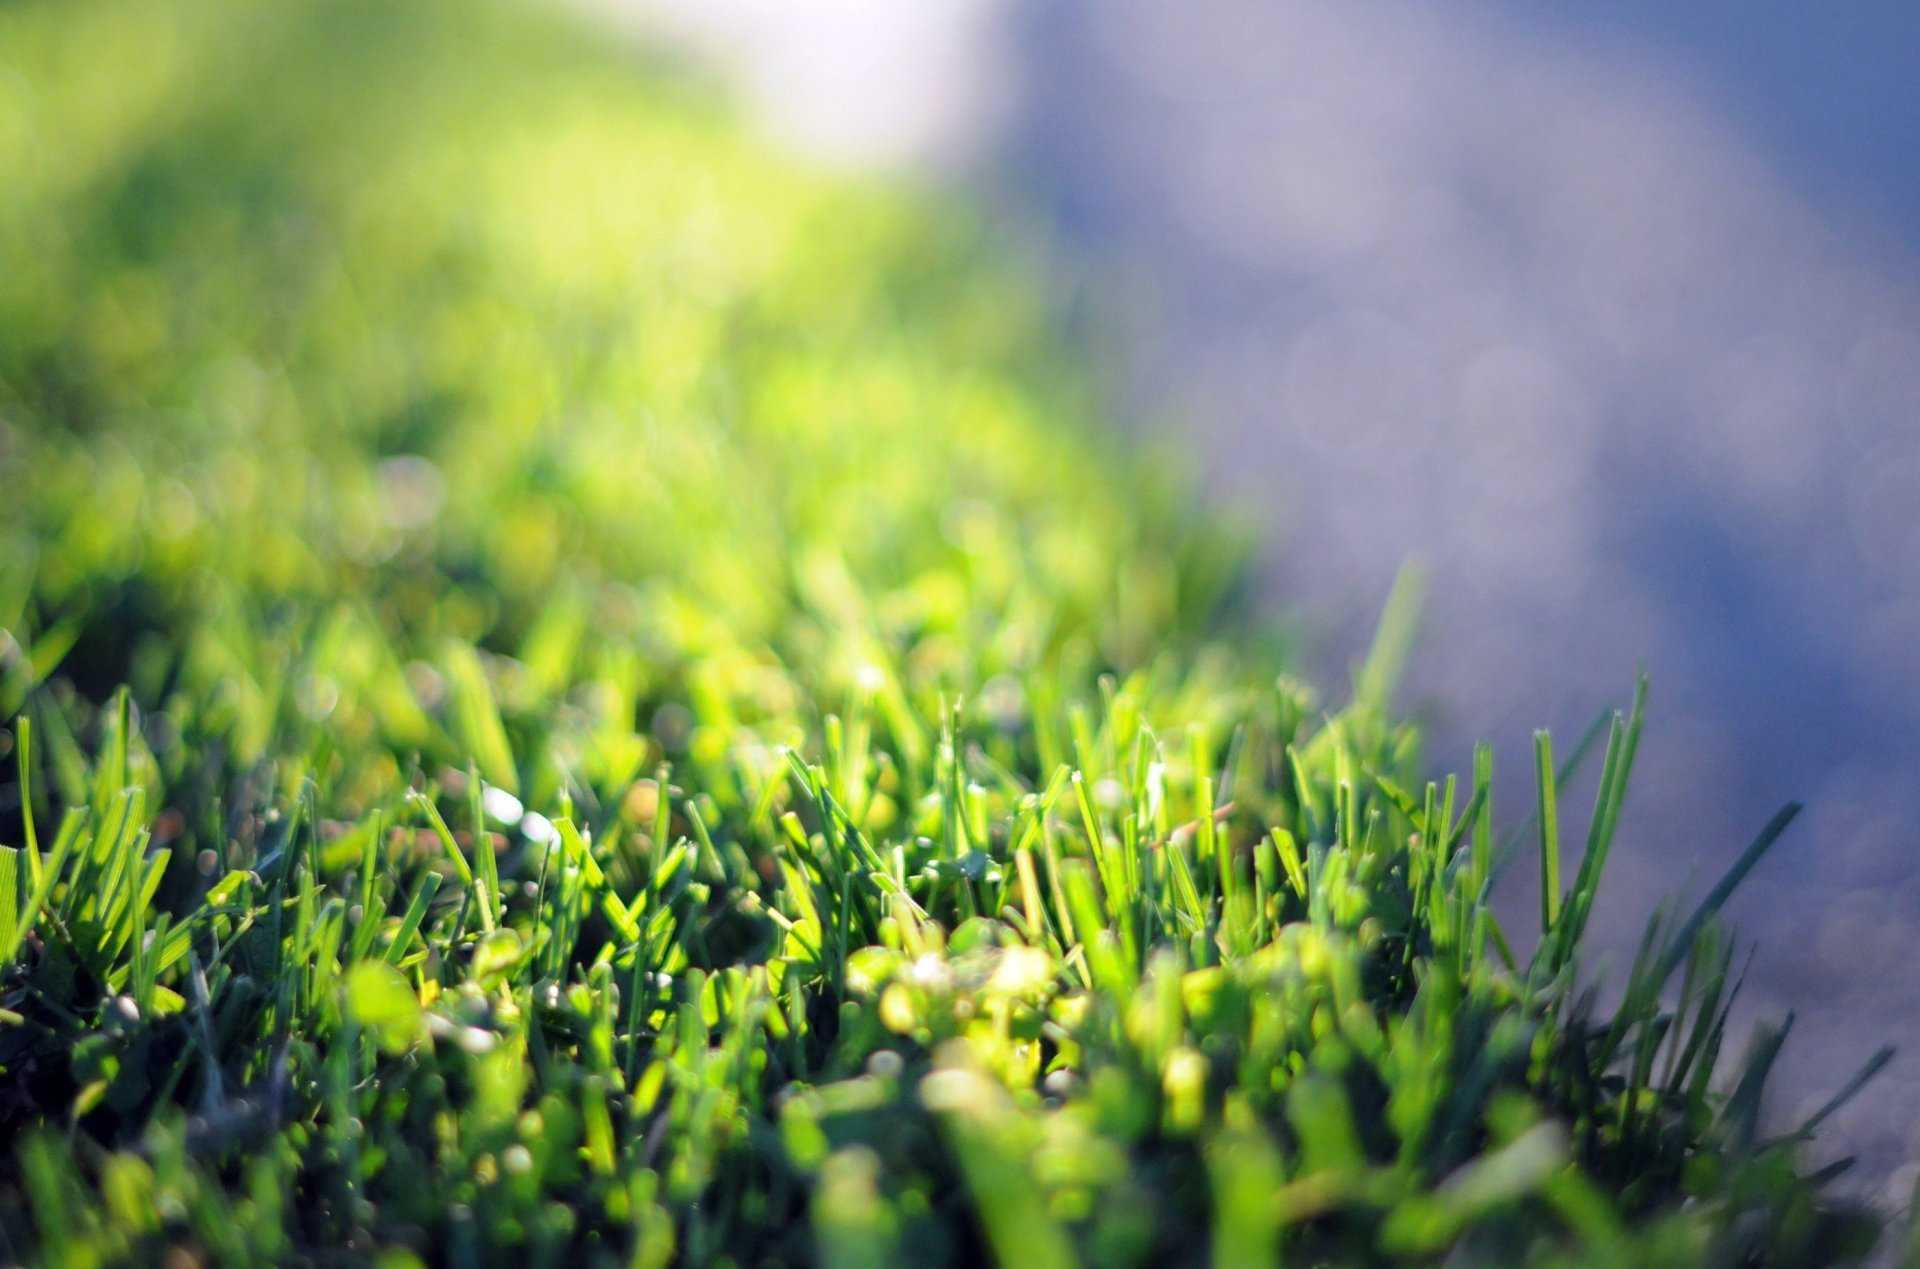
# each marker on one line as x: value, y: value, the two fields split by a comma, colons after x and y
x: 586, y: 695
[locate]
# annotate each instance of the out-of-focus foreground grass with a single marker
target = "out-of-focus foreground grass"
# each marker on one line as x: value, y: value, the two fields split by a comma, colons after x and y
x: 585, y: 694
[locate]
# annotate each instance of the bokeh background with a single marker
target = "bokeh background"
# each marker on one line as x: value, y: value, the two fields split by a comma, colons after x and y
x: 1607, y: 314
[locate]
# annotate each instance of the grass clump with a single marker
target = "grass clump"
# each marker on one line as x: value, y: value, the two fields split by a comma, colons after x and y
x: 586, y: 696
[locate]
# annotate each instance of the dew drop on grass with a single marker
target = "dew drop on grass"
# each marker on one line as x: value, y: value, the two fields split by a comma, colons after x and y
x: 476, y: 1040
x: 501, y: 806
x: 317, y: 695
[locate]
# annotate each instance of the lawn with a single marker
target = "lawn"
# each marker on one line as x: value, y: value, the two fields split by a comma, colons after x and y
x: 584, y: 694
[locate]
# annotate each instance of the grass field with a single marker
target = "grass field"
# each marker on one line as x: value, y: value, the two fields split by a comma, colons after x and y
x: 586, y: 695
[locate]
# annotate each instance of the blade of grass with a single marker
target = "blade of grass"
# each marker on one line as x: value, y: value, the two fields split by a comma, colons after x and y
x: 1549, y: 833
x: 1682, y: 940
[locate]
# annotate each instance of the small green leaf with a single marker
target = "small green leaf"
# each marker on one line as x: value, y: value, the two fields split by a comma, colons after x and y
x: 497, y: 954
x: 380, y: 999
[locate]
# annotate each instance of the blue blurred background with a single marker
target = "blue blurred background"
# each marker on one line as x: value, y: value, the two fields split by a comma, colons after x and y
x: 1828, y: 93
x: 1607, y: 314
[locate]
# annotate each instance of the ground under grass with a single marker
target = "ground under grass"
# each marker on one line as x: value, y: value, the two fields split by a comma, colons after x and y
x: 587, y: 696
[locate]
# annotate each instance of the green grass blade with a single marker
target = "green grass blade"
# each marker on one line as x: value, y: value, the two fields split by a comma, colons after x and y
x: 11, y: 931
x: 1682, y: 941
x: 1392, y: 643
x: 1549, y: 833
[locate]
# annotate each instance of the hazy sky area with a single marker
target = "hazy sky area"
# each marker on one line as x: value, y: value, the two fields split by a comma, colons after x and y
x: 1828, y: 93
x: 1608, y: 313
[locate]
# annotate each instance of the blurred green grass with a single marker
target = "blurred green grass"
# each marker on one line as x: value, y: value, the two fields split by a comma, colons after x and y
x: 589, y: 693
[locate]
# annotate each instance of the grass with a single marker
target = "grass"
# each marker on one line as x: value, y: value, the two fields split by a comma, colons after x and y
x: 587, y: 696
